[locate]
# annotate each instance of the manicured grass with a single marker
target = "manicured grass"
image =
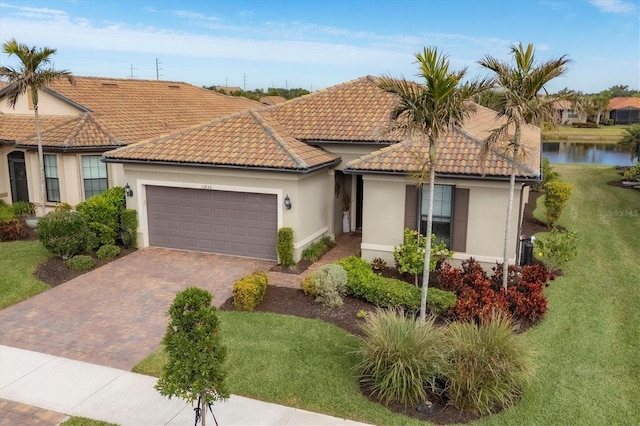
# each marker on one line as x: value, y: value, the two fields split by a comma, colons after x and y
x: 602, y: 134
x: 295, y: 362
x: 18, y: 261
x: 588, y: 357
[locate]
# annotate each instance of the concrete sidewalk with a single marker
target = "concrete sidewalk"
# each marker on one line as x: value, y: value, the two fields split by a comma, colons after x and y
x: 77, y: 388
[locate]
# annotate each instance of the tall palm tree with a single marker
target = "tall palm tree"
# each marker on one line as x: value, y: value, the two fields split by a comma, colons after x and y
x: 524, y: 102
x: 34, y: 73
x: 599, y: 104
x: 427, y: 111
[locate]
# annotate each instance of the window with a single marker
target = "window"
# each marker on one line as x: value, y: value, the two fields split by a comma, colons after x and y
x: 442, y: 212
x: 52, y: 180
x: 94, y: 173
x: 572, y: 114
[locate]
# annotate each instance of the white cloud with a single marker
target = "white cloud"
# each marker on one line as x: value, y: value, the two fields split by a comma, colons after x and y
x: 614, y: 6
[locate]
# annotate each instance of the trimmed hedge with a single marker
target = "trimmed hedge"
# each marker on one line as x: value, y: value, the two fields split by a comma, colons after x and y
x: 249, y: 291
x: 103, y: 213
x: 80, y: 263
x: 129, y: 224
x: 108, y: 251
x: 66, y: 233
x: 363, y: 283
x: 285, y: 247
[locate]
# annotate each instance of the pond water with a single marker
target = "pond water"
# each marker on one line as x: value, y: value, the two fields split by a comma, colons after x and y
x: 588, y: 153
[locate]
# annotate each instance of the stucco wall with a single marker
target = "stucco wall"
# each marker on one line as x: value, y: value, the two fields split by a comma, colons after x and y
x: 384, y: 214
x: 307, y: 192
x: 47, y: 105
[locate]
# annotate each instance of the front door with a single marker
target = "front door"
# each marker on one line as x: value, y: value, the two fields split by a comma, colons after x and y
x: 18, y: 177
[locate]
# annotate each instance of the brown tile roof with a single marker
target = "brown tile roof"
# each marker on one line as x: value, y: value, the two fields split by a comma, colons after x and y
x: 133, y: 110
x: 272, y: 100
x: 619, y: 103
x: 79, y: 131
x: 246, y: 139
x: 355, y: 111
x: 352, y: 112
x: 23, y: 127
x: 459, y: 153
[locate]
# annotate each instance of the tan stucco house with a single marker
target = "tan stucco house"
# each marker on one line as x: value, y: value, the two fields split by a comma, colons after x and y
x: 228, y: 185
x: 80, y: 122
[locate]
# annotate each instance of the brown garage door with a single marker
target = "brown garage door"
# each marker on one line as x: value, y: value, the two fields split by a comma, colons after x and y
x: 235, y: 223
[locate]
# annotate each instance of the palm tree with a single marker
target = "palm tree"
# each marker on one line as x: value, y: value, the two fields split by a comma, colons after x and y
x: 631, y: 140
x: 599, y: 104
x: 33, y: 74
x: 522, y: 104
x: 426, y: 112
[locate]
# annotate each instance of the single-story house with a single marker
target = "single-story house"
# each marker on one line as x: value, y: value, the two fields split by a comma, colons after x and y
x: 567, y: 114
x: 80, y: 122
x: 228, y: 186
x: 624, y: 110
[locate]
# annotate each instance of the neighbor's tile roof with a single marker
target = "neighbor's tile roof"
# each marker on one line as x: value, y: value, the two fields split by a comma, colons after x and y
x: 272, y: 100
x: 245, y: 139
x: 80, y: 131
x: 129, y: 111
x: 619, y: 103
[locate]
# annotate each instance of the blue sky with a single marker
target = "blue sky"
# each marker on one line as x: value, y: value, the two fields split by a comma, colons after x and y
x: 316, y: 44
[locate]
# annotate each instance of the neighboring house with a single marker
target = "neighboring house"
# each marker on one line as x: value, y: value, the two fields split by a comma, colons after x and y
x: 624, y: 110
x: 229, y: 185
x: 567, y: 114
x: 80, y: 122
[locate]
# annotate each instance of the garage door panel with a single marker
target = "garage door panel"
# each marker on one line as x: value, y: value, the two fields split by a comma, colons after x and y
x: 236, y: 223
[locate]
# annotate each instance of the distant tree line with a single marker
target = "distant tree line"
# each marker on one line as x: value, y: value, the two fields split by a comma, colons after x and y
x: 260, y: 93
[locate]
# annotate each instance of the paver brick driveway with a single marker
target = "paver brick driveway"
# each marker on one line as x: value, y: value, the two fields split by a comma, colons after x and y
x: 116, y: 314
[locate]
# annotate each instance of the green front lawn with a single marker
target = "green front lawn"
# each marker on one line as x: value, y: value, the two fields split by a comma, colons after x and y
x: 587, y: 346
x: 292, y: 361
x: 18, y: 261
x: 601, y: 134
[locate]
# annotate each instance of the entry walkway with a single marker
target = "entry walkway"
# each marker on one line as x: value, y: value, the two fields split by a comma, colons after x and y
x: 76, y: 388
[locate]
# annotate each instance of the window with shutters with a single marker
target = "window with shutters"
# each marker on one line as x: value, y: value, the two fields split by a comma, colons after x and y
x: 442, y: 212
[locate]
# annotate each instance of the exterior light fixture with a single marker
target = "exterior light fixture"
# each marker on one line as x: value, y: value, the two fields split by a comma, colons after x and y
x: 128, y: 191
x: 287, y: 202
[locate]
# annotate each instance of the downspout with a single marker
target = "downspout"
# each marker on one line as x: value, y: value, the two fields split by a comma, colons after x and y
x: 519, y: 234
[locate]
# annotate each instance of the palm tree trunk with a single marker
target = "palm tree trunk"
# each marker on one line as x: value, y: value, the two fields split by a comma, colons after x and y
x: 427, y: 251
x: 43, y: 188
x: 512, y: 187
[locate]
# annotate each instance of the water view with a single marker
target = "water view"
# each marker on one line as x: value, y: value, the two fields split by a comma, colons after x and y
x: 589, y: 153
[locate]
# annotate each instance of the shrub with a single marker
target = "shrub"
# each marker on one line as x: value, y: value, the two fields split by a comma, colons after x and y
x: 488, y: 365
x: 548, y: 175
x: 327, y: 284
x: 66, y: 234
x: 479, y: 295
x: 399, y: 355
x: 285, y: 247
x: 103, y: 213
x: 12, y: 230
x: 6, y: 212
x: 249, y: 291
x: 557, y: 248
x: 80, y: 263
x: 632, y: 173
x: 316, y: 250
x: 108, y: 251
x: 23, y: 208
x: 129, y: 228
x: 409, y: 256
x: 64, y: 206
x: 308, y: 286
x: 557, y: 195
x: 362, y: 283
x: 378, y: 264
